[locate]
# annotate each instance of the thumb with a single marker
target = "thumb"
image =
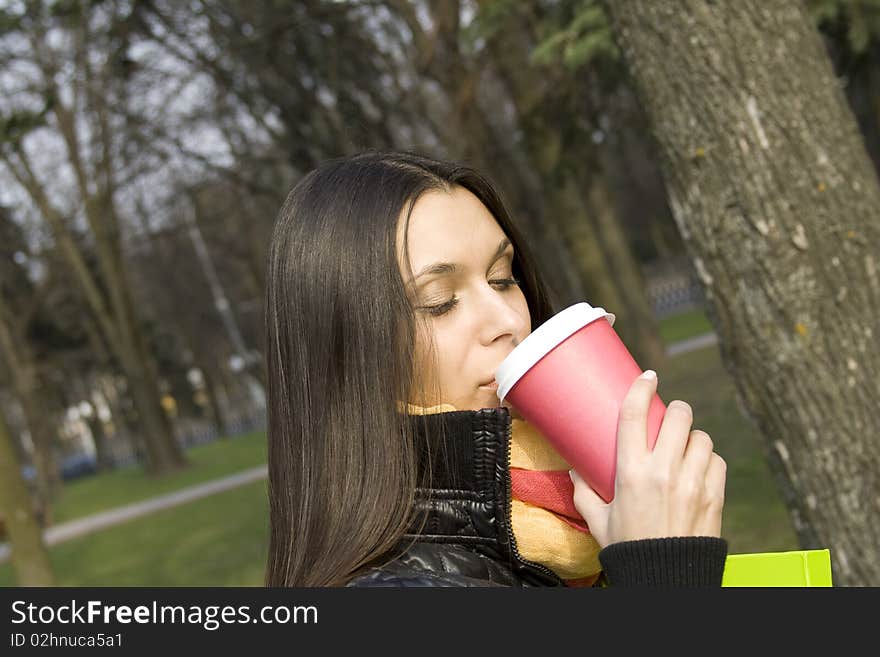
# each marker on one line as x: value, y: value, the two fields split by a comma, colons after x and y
x: 588, y: 502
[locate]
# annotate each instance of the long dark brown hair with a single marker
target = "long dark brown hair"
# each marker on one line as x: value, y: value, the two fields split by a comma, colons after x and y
x: 341, y: 331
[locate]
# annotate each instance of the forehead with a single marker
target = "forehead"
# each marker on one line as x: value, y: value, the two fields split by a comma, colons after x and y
x: 450, y: 226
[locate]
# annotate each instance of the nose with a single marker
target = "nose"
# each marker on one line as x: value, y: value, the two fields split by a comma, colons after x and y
x: 500, y: 318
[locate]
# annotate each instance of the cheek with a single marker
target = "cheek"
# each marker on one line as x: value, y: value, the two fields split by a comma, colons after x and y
x: 438, y: 363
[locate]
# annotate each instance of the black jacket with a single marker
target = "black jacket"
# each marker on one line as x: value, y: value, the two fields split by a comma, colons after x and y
x: 468, y: 539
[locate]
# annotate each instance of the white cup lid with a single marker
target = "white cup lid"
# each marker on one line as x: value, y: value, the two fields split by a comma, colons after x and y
x: 544, y: 338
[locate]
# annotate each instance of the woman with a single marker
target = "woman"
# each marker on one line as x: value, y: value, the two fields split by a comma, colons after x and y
x: 396, y: 285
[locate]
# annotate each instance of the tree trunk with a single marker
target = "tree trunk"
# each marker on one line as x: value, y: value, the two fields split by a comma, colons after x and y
x: 48, y: 474
x: 103, y: 454
x: 660, y: 241
x: 109, y: 298
x: 569, y: 212
x: 126, y: 435
x: 125, y: 430
x: 85, y: 387
x: 30, y: 559
x: 216, y: 406
x: 648, y: 347
x: 20, y: 363
x: 577, y: 223
x: 776, y: 200
x: 162, y: 450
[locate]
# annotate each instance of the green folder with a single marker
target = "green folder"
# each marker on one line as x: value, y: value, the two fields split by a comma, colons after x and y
x: 796, y: 568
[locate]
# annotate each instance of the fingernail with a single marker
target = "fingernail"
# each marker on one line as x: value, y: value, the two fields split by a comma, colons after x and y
x: 571, y: 475
x: 649, y: 374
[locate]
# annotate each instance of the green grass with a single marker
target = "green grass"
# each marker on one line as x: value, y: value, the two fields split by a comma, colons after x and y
x: 755, y: 519
x: 100, y: 492
x: 684, y: 325
x: 219, y: 540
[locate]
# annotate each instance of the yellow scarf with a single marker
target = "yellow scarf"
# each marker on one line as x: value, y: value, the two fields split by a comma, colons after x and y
x: 541, y: 535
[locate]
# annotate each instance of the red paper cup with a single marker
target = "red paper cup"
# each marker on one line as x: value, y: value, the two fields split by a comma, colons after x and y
x: 568, y: 379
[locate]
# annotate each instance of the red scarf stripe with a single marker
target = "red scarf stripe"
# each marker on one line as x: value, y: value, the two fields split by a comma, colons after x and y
x: 552, y: 490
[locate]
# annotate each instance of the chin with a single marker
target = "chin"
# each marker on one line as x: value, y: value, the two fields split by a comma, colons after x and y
x: 491, y: 401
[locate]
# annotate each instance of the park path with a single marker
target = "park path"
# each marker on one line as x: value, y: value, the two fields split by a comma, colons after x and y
x: 691, y: 344
x: 88, y: 524
x: 97, y: 521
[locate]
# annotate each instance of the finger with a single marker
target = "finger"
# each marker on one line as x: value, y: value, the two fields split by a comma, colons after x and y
x: 716, y: 480
x: 674, y: 432
x: 697, y: 455
x: 632, y: 420
x: 588, y: 502
x: 716, y: 477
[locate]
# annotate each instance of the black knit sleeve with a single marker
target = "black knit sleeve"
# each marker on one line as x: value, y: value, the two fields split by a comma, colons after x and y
x: 688, y: 561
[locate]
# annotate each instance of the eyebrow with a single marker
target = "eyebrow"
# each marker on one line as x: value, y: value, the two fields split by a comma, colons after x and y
x: 443, y: 268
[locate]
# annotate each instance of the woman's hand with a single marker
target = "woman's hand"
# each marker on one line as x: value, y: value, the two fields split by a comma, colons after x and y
x: 675, y: 490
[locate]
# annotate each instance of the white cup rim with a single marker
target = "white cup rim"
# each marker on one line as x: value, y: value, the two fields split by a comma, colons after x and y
x: 544, y: 338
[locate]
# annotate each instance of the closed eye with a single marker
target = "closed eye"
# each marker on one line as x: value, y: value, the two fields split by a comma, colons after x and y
x: 503, y: 284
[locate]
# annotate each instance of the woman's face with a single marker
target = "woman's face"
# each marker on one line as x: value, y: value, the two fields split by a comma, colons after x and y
x: 474, y: 310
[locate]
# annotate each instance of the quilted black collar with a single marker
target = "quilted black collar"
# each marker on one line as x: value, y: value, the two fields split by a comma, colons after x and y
x: 468, y: 501
x: 473, y: 454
